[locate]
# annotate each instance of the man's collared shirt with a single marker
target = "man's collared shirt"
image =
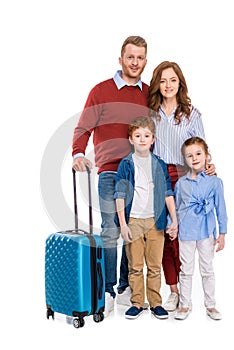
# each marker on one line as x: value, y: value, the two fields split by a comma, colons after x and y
x: 120, y: 83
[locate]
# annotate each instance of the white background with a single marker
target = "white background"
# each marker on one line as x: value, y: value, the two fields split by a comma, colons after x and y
x: 52, y: 54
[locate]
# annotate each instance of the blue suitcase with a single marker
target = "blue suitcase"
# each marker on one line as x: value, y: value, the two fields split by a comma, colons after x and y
x: 74, y: 271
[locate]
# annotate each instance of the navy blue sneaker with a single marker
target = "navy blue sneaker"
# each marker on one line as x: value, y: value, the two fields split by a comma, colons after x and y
x: 133, y: 312
x: 159, y: 312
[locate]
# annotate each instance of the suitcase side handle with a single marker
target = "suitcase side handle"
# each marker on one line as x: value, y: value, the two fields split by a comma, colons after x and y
x: 99, y: 271
x: 90, y: 200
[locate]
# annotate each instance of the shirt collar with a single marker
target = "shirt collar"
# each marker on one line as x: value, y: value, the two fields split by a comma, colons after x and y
x: 201, y: 174
x: 162, y: 111
x: 120, y: 83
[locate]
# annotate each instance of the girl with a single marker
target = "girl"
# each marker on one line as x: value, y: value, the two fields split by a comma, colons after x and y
x: 198, y: 198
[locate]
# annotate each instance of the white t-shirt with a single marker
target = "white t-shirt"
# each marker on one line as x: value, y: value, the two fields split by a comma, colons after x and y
x: 143, y: 201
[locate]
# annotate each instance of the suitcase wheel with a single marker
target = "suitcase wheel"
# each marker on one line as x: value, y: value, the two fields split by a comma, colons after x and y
x: 49, y: 312
x: 78, y: 322
x: 98, y: 317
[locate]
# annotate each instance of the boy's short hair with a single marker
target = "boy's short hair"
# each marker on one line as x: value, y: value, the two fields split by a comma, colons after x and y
x: 141, y: 122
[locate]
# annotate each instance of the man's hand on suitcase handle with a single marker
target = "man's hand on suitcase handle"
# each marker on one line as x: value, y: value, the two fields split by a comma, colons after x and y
x: 80, y: 163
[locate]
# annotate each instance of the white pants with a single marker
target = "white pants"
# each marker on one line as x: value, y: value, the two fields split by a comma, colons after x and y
x: 187, y: 249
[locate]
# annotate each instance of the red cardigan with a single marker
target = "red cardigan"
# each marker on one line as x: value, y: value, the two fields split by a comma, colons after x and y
x: 107, y: 113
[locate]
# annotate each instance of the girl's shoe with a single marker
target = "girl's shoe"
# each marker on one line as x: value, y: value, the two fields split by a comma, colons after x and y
x: 182, y: 315
x: 214, y: 314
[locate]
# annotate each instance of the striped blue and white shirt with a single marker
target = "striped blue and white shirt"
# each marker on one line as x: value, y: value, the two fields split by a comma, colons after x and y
x: 170, y: 136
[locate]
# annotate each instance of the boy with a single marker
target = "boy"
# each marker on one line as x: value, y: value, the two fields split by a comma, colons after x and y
x: 142, y: 193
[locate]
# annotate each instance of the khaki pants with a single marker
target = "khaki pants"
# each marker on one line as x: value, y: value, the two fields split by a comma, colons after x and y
x: 146, y: 247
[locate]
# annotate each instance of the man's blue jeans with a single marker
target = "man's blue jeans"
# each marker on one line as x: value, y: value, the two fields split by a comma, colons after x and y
x: 123, y: 278
x: 110, y: 232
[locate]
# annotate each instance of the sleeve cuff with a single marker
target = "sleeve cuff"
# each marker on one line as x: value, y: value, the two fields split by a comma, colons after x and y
x: 78, y: 155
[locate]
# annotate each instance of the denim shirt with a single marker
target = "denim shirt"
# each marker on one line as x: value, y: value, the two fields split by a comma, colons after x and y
x: 125, y: 183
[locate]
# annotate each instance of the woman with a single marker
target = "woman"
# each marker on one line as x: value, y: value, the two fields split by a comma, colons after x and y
x: 176, y: 120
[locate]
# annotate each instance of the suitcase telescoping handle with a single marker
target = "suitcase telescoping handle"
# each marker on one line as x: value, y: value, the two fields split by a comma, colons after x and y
x: 90, y: 200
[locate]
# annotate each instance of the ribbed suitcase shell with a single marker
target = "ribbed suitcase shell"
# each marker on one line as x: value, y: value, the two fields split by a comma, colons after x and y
x: 74, y: 274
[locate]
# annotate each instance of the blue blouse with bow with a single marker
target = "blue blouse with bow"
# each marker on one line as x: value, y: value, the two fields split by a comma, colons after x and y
x: 200, y: 206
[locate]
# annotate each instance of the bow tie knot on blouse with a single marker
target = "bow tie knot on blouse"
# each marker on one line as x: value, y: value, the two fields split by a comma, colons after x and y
x: 202, y: 206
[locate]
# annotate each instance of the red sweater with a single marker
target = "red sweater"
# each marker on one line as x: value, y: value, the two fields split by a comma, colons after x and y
x: 107, y: 113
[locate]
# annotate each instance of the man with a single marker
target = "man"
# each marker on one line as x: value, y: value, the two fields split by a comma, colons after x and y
x: 110, y: 107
